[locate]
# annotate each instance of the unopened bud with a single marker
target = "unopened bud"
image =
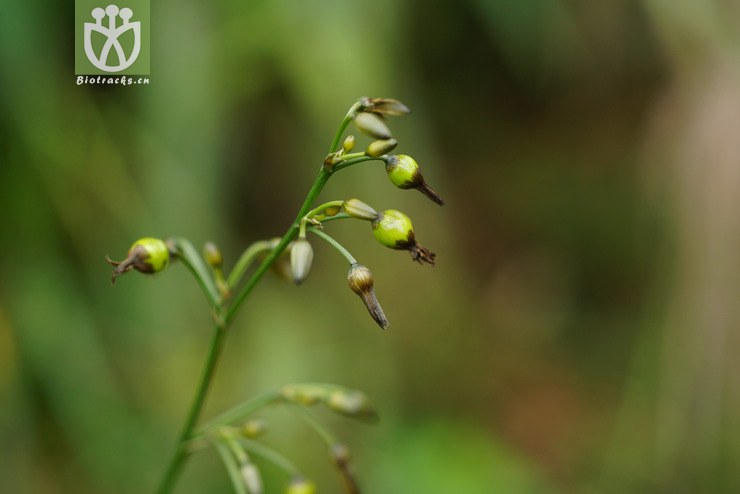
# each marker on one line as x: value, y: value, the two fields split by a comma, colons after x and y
x: 372, y: 125
x: 147, y: 255
x: 301, y: 257
x: 340, y: 454
x: 393, y: 229
x: 251, y: 477
x: 349, y: 143
x: 300, y: 485
x: 360, y: 280
x: 304, y: 394
x: 350, y: 402
x: 379, y: 148
x: 405, y: 173
x: 385, y: 106
x: 253, y: 428
x: 213, y: 255
x: 332, y: 210
x: 358, y: 209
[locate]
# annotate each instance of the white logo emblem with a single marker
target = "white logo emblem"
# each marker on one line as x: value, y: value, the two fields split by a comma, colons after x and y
x: 112, y: 33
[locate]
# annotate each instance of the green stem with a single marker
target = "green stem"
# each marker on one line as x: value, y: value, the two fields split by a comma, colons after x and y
x: 241, y: 411
x: 343, y: 126
x: 331, y: 241
x: 320, y: 209
x: 346, y: 164
x: 246, y: 259
x: 351, y: 156
x: 231, y: 466
x: 271, y: 455
x: 292, y: 232
x: 314, y: 424
x: 216, y: 345
x: 176, y: 464
x: 195, y: 264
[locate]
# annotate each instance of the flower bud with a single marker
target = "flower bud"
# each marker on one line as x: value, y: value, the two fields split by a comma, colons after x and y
x: 405, y: 173
x: 147, y: 255
x: 379, y: 148
x: 213, y: 255
x: 393, y: 229
x: 251, y: 477
x: 385, y: 106
x: 372, y: 125
x: 332, y: 210
x: 358, y: 209
x: 360, y: 280
x: 304, y: 394
x: 300, y: 485
x: 340, y: 454
x: 349, y: 143
x: 350, y: 402
x: 253, y: 428
x: 301, y: 256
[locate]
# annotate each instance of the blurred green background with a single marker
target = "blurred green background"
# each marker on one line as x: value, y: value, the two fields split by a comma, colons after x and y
x: 579, y: 333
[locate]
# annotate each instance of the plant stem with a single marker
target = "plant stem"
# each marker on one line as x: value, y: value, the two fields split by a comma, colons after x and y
x: 346, y: 164
x: 331, y: 241
x: 217, y: 339
x: 347, y: 119
x: 176, y: 464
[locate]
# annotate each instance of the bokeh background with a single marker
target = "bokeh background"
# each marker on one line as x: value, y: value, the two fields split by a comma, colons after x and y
x: 579, y: 333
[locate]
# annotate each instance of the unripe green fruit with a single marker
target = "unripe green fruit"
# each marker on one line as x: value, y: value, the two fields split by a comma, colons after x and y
x: 403, y: 171
x: 393, y: 229
x: 147, y: 255
x: 153, y: 255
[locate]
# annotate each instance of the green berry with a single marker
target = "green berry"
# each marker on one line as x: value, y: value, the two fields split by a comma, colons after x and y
x: 147, y: 255
x: 405, y: 173
x: 154, y: 255
x: 393, y: 229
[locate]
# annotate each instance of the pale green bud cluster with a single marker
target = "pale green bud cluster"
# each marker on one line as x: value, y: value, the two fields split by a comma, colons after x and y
x: 339, y: 399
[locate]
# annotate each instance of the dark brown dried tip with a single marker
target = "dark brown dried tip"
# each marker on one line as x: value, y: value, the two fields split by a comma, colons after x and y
x: 421, y: 254
x: 427, y: 191
x: 136, y: 259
